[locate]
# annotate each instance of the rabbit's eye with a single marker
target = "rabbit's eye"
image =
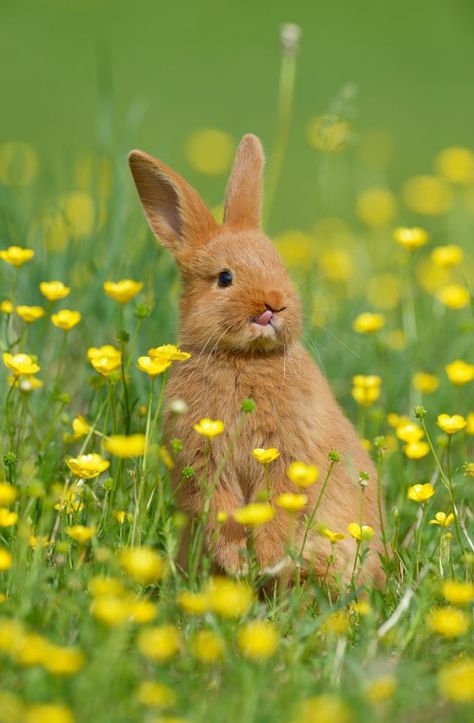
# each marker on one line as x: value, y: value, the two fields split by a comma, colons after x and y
x: 224, y: 278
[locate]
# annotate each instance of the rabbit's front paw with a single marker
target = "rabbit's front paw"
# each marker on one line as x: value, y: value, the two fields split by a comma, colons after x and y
x: 232, y: 558
x: 269, y: 551
x: 277, y: 568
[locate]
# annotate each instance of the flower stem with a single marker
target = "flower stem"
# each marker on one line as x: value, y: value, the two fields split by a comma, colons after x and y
x: 125, y: 391
x: 316, y: 506
x: 285, y: 107
x: 447, y: 483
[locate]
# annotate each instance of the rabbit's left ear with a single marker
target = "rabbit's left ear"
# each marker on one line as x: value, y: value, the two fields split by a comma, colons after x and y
x: 243, y: 201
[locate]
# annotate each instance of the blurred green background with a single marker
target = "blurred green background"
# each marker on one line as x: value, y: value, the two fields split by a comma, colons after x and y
x: 89, y: 75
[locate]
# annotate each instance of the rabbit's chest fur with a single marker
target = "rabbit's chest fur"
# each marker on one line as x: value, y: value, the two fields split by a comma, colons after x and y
x: 295, y: 412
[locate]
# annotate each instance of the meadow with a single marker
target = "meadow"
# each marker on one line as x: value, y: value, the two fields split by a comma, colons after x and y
x: 97, y: 623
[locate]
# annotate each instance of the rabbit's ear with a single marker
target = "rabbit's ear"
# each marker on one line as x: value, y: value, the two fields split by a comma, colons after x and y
x: 243, y: 201
x: 176, y: 213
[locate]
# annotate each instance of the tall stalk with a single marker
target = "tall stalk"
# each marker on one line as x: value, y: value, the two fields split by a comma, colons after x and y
x: 290, y: 35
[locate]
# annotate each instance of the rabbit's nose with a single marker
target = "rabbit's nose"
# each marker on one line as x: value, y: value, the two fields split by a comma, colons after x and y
x: 264, y: 318
x: 274, y: 300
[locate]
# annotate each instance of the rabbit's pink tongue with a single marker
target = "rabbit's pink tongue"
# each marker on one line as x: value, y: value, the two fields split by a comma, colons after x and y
x: 264, y: 318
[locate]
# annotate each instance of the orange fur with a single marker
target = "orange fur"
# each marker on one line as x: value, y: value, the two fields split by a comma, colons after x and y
x: 234, y: 358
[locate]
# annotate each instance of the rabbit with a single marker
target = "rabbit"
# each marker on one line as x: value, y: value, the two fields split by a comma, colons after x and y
x: 241, y: 319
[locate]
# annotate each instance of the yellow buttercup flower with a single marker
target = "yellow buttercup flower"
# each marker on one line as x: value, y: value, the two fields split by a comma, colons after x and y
x: 291, y: 502
x: 451, y: 424
x: 209, y: 428
x: 207, y: 646
x: 168, y: 352
x: 101, y: 585
x: 456, y: 680
x: 62, y: 661
x: 447, y: 256
x: 69, y: 503
x: 368, y: 323
x: 111, y: 609
x: 258, y: 640
x: 38, y: 541
x: 425, y: 382
x: 410, y: 238
x: 144, y: 564
x: 87, y: 466
x: 66, y: 319
x: 20, y: 363
x: 265, y: 456
x: 6, y: 560
x: 460, y: 372
x: 7, y: 517
x: 336, y: 265
x: 328, y: 133
x: 396, y: 420
x: 166, y: 457
x: 80, y: 533
x: 30, y: 314
x: 362, y: 608
x: 381, y: 688
x: 48, y: 713
x: 123, y: 516
x: 362, y: 533
x: 209, y: 151
x: 456, y: 165
x: 366, y: 389
x: 325, y: 708
x: 458, y: 593
x: 254, y: 514
x: 105, y: 359
x: 228, y: 598
x: 78, y: 210
x: 142, y: 611
x: 155, y: 695
x: 337, y: 622
x: 6, y: 306
x: 152, y: 367
x: 54, y: 290
x: 26, y: 383
x: 16, y: 255
x: 376, y: 207
x: 454, y: 296
x: 409, y: 432
x: 8, y: 493
x: 416, y: 450
x: 121, y: 445
x: 333, y: 537
x: 122, y: 291
x: 301, y: 474
x: 469, y: 466
x: 395, y: 339
x: 430, y: 276
x: 193, y: 603
x: 442, y: 519
x: 296, y: 247
x: 80, y: 427
x: 384, y: 290
x: 420, y: 493
x: 160, y: 643
x: 428, y: 195
x: 449, y: 622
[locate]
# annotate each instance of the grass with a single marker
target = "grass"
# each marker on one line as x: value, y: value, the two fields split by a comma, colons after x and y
x: 91, y: 616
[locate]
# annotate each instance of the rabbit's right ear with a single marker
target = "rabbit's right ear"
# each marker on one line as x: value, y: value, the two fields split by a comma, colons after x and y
x: 243, y: 200
x: 176, y: 213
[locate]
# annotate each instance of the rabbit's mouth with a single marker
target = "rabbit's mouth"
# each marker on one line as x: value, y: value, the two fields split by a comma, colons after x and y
x: 266, y: 328
x: 268, y: 317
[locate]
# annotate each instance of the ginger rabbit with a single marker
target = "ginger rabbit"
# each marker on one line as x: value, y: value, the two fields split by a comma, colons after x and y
x: 240, y: 318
